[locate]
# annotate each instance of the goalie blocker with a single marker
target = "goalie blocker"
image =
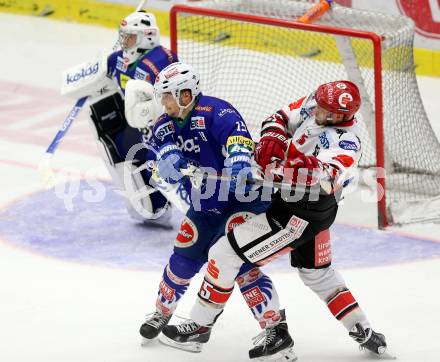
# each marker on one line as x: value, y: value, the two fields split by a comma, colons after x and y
x: 301, y: 228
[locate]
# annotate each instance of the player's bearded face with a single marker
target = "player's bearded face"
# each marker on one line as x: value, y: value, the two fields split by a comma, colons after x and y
x: 326, y: 118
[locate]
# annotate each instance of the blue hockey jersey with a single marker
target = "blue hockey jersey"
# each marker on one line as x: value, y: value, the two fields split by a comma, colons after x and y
x: 211, y: 132
x: 147, y: 67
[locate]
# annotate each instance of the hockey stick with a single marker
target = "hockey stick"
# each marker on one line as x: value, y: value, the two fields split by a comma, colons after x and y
x: 45, y: 165
x: 197, y: 175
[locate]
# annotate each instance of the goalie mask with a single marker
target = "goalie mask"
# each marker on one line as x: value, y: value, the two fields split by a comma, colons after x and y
x: 175, y: 78
x: 340, y: 97
x: 138, y: 32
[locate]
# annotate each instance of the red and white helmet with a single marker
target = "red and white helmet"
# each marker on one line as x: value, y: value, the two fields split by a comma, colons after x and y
x: 340, y: 97
x: 144, y: 26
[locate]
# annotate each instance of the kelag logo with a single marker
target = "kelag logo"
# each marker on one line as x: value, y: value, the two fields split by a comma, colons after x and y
x: 85, y: 72
x: 426, y: 15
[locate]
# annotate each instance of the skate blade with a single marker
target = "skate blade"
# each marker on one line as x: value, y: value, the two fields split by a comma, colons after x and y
x: 194, y: 347
x: 286, y: 355
x: 383, y: 356
x: 145, y: 342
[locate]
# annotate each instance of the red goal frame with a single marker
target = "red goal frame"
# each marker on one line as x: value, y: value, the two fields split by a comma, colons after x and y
x: 376, y: 39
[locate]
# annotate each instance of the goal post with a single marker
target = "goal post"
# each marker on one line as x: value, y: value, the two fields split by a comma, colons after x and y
x: 256, y: 55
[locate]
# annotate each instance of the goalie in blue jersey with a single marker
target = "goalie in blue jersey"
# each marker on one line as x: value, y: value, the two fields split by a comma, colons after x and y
x: 105, y: 82
x: 208, y: 133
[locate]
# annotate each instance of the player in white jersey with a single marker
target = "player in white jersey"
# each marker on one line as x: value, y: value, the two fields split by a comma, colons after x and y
x: 310, y: 144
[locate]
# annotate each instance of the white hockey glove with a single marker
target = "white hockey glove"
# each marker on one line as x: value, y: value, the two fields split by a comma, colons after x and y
x: 141, y: 107
x: 87, y: 79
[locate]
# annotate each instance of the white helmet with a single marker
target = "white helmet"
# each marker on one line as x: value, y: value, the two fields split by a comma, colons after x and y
x: 144, y: 26
x: 175, y: 78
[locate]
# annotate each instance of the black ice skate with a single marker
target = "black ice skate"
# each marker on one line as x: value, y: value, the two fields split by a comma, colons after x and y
x: 274, y: 344
x: 188, y: 336
x: 154, y: 325
x: 371, y: 341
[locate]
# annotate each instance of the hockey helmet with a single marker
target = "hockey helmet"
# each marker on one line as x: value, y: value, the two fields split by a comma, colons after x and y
x: 175, y: 78
x: 340, y: 97
x: 147, y: 36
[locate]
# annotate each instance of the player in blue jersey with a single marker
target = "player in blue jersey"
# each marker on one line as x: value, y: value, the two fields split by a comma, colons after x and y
x: 205, y: 132
x: 141, y: 57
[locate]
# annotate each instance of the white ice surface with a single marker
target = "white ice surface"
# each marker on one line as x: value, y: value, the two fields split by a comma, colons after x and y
x: 52, y: 310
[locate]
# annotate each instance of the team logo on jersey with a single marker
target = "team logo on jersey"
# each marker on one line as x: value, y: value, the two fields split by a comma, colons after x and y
x: 197, y: 123
x: 324, y: 140
x: 164, y: 130
x: 237, y: 219
x: 141, y: 74
x: 121, y: 64
x: 348, y: 145
x: 187, y: 235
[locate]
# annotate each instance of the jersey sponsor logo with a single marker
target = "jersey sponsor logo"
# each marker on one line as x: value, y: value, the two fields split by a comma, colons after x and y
x: 150, y: 65
x: 340, y: 132
x: 187, y: 235
x: 253, y: 297
x: 121, y: 64
x: 123, y: 79
x: 348, y: 145
x: 164, y: 130
x: 166, y: 291
x: 240, y: 140
x: 236, y: 219
x: 83, y: 73
x: 212, y: 270
x: 324, y: 140
x: 226, y: 111
x: 296, y: 226
x: 268, y: 247
x: 141, y: 74
x: 204, y: 109
x: 323, y: 250
x: 188, y: 145
x: 169, y: 54
x: 197, y: 123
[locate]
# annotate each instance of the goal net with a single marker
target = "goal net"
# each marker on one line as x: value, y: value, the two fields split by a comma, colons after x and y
x: 256, y: 56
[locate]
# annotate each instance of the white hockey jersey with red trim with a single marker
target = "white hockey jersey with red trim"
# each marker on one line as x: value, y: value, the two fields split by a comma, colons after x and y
x: 337, y: 147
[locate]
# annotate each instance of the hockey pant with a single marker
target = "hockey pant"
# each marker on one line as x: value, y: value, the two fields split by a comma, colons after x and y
x: 257, y: 288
